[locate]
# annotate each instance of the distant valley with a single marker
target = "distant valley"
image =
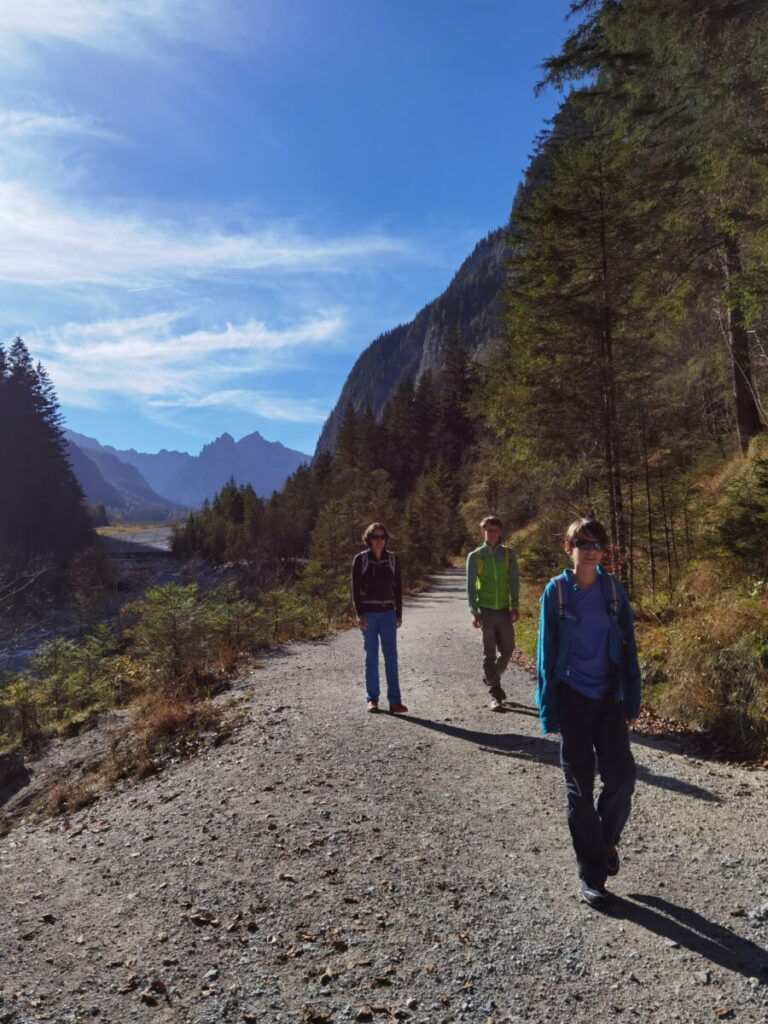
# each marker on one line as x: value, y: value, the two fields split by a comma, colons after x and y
x: 141, y: 486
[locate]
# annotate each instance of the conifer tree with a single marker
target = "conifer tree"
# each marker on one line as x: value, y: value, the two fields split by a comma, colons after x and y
x: 348, y: 439
x: 686, y: 78
x: 578, y: 348
x: 455, y: 426
x: 42, y: 510
x: 401, y: 437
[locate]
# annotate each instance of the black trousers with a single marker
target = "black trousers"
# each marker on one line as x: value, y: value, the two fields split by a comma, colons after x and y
x: 594, y: 735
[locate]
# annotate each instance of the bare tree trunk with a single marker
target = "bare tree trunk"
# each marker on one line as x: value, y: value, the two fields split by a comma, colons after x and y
x: 610, y: 418
x: 748, y: 421
x: 665, y: 520
x: 648, y: 503
x: 631, y: 535
x: 687, y: 530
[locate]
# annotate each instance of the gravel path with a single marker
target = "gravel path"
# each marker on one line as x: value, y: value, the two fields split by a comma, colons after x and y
x: 329, y: 865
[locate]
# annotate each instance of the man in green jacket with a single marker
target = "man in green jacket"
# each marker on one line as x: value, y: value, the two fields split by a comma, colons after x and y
x: 493, y: 593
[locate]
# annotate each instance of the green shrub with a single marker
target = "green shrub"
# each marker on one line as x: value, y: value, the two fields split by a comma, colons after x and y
x: 77, y: 674
x: 181, y: 641
x: 21, y: 711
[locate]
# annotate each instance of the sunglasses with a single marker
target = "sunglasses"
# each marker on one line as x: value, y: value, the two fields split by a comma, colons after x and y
x: 378, y: 536
x: 588, y: 545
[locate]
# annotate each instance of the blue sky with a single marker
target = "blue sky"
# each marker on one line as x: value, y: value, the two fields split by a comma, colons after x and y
x: 209, y: 208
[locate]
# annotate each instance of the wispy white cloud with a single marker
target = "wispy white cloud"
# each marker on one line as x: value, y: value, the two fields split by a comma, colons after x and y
x: 111, y: 25
x: 148, y: 361
x: 48, y: 244
x: 20, y: 123
x: 271, y: 405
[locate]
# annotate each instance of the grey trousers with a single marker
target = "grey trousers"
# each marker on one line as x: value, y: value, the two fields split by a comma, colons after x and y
x: 498, y: 634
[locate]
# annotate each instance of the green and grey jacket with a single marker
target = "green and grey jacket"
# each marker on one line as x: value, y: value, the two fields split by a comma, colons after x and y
x: 492, y: 578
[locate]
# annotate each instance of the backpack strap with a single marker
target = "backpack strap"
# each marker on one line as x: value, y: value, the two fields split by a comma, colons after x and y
x: 365, y: 561
x: 608, y: 580
x: 613, y: 604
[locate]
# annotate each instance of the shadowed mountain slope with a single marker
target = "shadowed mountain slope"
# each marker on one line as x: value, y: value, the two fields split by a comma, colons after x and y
x: 469, y: 303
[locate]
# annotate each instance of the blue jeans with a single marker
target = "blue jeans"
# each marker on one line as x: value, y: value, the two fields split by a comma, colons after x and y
x: 593, y: 733
x: 381, y: 626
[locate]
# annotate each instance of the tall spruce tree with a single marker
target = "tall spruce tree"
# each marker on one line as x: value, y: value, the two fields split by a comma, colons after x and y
x: 42, y: 512
x: 455, y: 428
x: 578, y: 344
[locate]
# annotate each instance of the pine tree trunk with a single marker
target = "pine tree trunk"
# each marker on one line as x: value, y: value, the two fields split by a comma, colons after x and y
x: 631, y: 536
x: 747, y: 416
x: 610, y: 418
x: 667, y: 541
x: 648, y: 503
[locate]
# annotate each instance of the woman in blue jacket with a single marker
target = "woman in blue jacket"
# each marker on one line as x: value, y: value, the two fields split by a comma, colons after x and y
x: 589, y: 691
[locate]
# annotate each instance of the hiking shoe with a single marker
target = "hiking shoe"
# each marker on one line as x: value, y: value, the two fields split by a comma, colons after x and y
x: 496, y: 705
x: 373, y: 705
x: 398, y: 709
x: 612, y: 861
x: 597, y: 896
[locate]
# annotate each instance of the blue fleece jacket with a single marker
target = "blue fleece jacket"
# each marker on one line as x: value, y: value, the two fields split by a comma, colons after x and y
x: 555, y: 639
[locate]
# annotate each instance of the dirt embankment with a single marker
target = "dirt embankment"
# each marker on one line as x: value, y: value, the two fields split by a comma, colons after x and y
x: 329, y: 865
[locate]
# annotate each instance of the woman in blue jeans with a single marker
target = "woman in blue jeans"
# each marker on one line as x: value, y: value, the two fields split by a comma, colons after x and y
x: 588, y: 690
x: 377, y: 594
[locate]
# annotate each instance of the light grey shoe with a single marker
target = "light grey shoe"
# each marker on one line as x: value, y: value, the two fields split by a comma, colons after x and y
x: 496, y: 705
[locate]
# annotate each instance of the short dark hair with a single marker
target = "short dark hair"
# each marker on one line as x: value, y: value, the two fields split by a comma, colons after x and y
x: 586, y: 529
x: 491, y: 521
x: 372, y: 529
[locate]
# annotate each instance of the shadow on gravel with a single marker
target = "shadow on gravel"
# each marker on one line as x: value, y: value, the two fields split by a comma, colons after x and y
x: 676, y: 785
x: 546, y: 752
x: 687, y: 928
x: 507, y: 744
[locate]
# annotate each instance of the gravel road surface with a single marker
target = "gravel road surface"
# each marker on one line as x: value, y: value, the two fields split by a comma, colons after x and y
x: 328, y: 865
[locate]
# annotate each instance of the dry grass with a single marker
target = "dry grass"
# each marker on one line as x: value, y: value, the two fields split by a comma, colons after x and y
x: 160, y: 729
x: 158, y: 732
x: 717, y: 670
x: 121, y: 529
x: 69, y: 795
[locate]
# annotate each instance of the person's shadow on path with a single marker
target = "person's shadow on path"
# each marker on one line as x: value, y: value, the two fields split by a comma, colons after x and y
x: 677, y: 924
x: 506, y: 744
x: 545, y: 751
